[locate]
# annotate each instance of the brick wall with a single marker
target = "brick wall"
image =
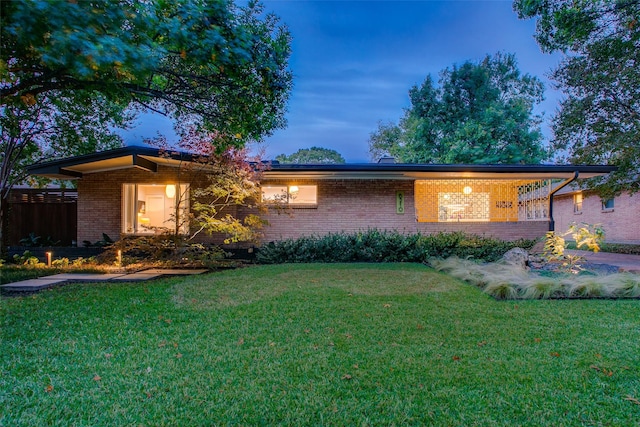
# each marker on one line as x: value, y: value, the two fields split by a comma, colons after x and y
x: 343, y: 206
x: 621, y: 224
x: 354, y: 205
x: 100, y: 198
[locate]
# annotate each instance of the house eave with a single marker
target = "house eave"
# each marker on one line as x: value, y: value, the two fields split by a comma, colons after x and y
x: 149, y: 159
x: 145, y: 158
x: 421, y: 171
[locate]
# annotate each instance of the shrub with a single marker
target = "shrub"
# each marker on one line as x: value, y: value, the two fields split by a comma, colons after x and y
x: 167, y: 248
x: 60, y: 262
x: 619, y: 248
x: 502, y: 290
x: 589, y: 287
x: 628, y: 286
x: 512, y: 282
x: 384, y: 246
x: 542, y: 288
x: 27, y: 259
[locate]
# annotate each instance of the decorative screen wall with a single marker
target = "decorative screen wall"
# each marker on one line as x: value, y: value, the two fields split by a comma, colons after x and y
x: 478, y: 200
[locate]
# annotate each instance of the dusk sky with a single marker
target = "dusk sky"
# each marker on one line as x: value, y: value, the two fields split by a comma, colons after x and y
x: 355, y: 61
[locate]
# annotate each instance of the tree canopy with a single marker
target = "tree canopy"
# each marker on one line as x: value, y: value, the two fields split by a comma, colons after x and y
x: 313, y: 155
x: 206, y: 62
x: 71, y: 72
x: 480, y: 112
x: 599, y: 120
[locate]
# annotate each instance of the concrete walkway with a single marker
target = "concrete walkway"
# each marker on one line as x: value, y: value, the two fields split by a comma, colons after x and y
x: 34, y: 285
x: 624, y: 261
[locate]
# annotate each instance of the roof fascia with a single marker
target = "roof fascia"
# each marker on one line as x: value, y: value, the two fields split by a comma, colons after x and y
x: 63, y: 167
x: 422, y: 171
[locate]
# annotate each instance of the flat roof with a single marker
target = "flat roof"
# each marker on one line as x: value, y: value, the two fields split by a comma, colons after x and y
x: 434, y: 171
x: 148, y: 158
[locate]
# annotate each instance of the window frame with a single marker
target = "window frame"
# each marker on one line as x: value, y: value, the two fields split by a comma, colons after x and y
x: 578, y: 204
x: 130, y: 220
x: 606, y: 202
x: 287, y: 199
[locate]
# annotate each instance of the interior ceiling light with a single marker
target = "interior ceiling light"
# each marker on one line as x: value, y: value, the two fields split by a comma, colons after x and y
x: 170, y: 191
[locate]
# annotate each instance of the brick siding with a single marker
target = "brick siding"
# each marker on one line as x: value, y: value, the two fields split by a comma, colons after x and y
x: 343, y: 206
x: 621, y: 224
x: 100, y: 198
x: 356, y: 205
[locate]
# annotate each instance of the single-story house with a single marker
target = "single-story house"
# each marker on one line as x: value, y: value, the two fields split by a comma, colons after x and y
x: 618, y: 216
x: 127, y: 190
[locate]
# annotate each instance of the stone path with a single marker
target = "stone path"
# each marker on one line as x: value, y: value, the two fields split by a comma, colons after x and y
x: 34, y: 285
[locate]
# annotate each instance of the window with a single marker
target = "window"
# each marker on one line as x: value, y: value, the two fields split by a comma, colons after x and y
x: 480, y: 200
x: 607, y: 205
x: 465, y: 206
x: 577, y: 203
x: 148, y: 208
x: 292, y: 194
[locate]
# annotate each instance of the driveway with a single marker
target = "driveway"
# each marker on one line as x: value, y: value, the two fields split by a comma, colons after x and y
x: 624, y: 261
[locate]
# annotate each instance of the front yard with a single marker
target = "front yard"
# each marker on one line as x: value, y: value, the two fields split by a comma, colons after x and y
x: 315, y: 344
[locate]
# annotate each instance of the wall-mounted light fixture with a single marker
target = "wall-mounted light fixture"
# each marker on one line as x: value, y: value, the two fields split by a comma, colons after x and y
x: 467, y: 190
x: 170, y: 191
x: 293, y: 189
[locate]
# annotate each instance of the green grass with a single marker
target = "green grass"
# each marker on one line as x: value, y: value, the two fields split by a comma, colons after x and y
x: 341, y: 344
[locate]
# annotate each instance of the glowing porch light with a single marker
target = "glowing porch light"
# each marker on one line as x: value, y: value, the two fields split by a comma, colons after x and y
x: 467, y: 190
x: 293, y: 189
x: 170, y: 191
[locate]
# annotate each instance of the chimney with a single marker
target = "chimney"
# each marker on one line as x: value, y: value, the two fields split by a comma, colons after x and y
x: 387, y: 159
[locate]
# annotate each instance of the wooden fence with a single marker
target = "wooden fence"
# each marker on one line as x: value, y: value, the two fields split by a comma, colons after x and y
x: 51, y: 214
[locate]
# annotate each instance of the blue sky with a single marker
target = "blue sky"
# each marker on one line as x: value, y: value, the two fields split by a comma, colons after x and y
x: 355, y: 61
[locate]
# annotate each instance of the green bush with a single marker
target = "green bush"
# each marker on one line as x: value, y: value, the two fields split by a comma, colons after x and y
x: 384, y: 246
x: 166, y: 248
x: 60, y: 262
x: 27, y: 259
x: 618, y: 248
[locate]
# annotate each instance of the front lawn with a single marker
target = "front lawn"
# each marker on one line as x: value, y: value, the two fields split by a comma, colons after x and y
x: 315, y: 344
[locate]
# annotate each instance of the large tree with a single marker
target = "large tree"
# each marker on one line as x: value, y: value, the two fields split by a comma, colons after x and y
x: 75, y: 70
x: 599, y: 120
x: 313, y: 155
x: 480, y: 112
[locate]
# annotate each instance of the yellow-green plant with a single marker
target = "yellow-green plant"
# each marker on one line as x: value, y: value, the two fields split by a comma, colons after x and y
x: 584, y: 234
x: 60, y: 262
x: 587, y: 235
x: 554, y: 245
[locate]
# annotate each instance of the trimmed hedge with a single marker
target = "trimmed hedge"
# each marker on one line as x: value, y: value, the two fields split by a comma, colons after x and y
x: 385, y: 246
x: 617, y: 248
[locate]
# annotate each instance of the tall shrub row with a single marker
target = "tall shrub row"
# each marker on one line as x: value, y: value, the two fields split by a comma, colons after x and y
x: 385, y: 246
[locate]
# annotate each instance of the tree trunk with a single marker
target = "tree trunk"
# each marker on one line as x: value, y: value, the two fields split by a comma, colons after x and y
x: 4, y: 223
